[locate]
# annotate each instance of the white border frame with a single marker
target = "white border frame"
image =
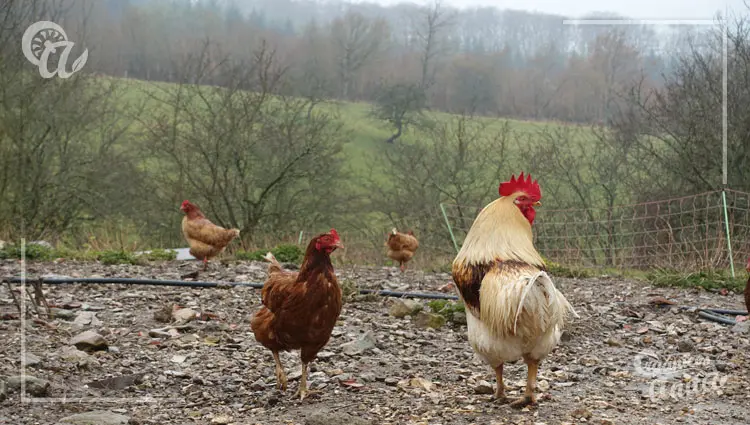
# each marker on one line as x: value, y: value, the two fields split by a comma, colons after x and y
x: 79, y: 400
x: 724, y: 60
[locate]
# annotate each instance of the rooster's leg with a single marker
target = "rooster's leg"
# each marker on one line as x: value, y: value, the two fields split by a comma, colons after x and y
x: 402, y: 267
x: 500, y: 391
x: 528, y: 398
x: 205, y: 263
x: 280, y: 375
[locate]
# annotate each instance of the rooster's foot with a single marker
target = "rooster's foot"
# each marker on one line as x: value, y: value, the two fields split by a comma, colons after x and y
x: 523, y: 402
x: 500, y: 398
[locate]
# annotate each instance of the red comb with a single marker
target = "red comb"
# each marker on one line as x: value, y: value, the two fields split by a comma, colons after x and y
x: 530, y: 188
x: 185, y: 202
x: 334, y: 233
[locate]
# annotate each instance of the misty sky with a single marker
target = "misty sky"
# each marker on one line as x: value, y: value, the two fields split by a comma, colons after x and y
x: 641, y: 9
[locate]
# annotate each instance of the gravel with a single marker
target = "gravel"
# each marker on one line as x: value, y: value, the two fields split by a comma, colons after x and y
x: 203, y: 365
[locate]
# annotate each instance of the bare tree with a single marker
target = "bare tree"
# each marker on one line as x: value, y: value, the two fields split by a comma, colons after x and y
x: 357, y: 40
x: 431, y: 31
x: 458, y: 161
x: 251, y: 159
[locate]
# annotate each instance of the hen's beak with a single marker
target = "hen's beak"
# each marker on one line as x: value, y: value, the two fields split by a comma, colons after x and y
x: 339, y: 244
x: 537, y: 204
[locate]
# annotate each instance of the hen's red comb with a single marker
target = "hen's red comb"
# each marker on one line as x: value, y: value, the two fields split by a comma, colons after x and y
x: 185, y: 203
x: 334, y: 233
x: 530, y: 188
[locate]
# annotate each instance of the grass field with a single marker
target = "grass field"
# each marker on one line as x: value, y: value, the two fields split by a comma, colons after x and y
x: 368, y: 134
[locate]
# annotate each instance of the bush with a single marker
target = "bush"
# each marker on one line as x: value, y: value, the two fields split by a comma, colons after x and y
x: 706, y: 279
x: 557, y: 269
x: 160, y: 255
x: 285, y: 253
x: 250, y: 255
x: 116, y: 257
x: 446, y: 308
x: 288, y: 253
x: 33, y: 252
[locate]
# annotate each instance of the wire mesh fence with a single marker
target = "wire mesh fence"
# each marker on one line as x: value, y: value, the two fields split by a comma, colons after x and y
x: 688, y: 233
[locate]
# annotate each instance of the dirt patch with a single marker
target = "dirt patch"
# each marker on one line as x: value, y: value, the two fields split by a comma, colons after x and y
x: 211, y: 369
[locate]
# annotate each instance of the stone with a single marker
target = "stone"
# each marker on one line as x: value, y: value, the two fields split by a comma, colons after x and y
x: 89, y: 341
x: 32, y: 360
x: 685, y: 346
x: 34, y: 386
x: 62, y: 313
x: 96, y: 417
x: 483, y: 387
x: 326, y: 417
x: 359, y: 346
x: 429, y: 320
x: 183, y: 315
x: 403, y: 307
x: 459, y: 318
x: 87, y: 318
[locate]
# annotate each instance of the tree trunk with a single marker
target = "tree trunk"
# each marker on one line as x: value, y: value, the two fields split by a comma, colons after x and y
x: 395, y: 136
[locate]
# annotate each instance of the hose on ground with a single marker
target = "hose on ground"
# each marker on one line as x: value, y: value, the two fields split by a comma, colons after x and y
x: 182, y: 283
x: 713, y: 314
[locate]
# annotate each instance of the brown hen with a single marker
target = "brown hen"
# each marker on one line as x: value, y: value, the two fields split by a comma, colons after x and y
x: 301, y: 308
x: 206, y: 239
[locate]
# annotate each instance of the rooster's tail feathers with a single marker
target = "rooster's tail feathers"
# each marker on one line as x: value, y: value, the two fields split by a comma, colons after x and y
x: 527, y: 305
x: 554, y: 311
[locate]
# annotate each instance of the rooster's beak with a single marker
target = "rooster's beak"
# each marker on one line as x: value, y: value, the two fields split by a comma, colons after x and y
x: 339, y: 245
x: 537, y: 204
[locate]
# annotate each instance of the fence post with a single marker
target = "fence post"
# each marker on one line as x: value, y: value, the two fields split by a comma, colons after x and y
x: 450, y: 229
x: 299, y: 240
x: 726, y: 227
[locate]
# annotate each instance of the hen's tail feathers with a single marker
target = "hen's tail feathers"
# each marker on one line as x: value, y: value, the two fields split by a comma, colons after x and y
x: 552, y: 308
x: 274, y: 267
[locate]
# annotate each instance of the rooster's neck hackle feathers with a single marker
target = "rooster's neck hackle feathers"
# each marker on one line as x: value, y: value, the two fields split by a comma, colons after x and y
x: 500, y: 232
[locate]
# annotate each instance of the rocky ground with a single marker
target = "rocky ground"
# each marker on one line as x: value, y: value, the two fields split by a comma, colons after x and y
x: 203, y: 365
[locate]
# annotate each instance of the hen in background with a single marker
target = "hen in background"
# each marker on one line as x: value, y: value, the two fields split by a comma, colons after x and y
x: 206, y: 239
x: 300, y: 308
x: 401, y: 247
x: 513, y: 309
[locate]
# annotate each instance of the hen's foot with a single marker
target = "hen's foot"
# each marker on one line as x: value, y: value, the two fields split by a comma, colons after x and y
x: 523, y: 402
x: 304, y: 393
x: 281, y: 380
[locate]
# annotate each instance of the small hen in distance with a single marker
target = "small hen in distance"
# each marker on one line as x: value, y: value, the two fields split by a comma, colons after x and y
x: 206, y: 239
x: 401, y: 247
x: 300, y: 308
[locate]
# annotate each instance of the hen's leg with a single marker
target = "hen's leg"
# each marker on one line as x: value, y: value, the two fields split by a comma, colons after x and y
x: 402, y: 266
x: 500, y: 391
x: 280, y: 375
x: 205, y: 263
x: 528, y: 397
x: 302, y: 391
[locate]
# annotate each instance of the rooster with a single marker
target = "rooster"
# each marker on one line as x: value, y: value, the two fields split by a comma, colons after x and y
x: 401, y: 247
x: 206, y: 239
x: 300, y: 308
x: 513, y: 309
